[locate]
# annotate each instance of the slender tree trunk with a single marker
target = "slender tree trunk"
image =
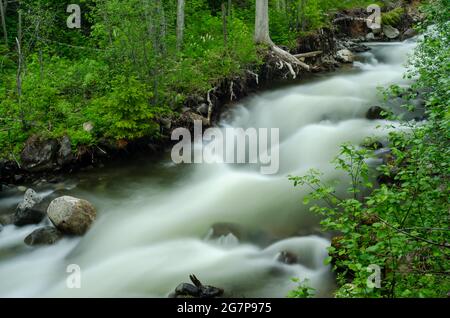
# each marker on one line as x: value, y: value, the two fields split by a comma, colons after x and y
x: 163, y: 25
x: 224, y: 20
x: 105, y: 15
x: 19, y: 28
x: 230, y: 5
x: 3, y: 20
x: 302, y: 14
x: 180, y: 24
x: 160, y: 27
x: 20, y: 61
x: 262, y: 34
x: 278, y: 5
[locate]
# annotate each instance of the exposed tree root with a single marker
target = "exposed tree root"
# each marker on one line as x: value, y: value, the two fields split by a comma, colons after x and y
x: 255, y: 75
x: 232, y: 95
x: 210, y: 104
x: 285, y: 59
x: 350, y: 18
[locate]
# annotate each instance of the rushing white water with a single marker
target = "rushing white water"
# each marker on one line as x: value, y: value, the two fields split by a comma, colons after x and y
x: 154, y: 218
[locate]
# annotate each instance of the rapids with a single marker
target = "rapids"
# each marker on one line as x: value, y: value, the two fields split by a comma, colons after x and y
x: 154, y: 217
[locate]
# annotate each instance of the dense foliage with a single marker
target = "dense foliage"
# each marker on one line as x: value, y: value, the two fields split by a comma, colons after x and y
x: 122, y: 71
x: 402, y: 225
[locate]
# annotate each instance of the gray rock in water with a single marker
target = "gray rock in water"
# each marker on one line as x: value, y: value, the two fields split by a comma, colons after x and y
x: 43, y: 236
x: 65, y: 155
x: 7, y: 219
x: 345, y: 56
x: 390, y: 32
x: 377, y: 31
x: 370, y: 37
x: 29, y: 211
x: 21, y: 188
x: 287, y: 258
x: 71, y: 215
x: 372, y: 144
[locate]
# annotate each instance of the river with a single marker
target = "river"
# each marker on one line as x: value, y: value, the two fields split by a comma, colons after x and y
x: 155, y: 218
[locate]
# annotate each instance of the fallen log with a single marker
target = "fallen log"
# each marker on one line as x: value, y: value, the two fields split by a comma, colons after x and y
x: 308, y: 54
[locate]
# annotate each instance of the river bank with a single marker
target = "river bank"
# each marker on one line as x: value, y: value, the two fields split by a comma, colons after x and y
x: 325, y: 50
x: 234, y: 229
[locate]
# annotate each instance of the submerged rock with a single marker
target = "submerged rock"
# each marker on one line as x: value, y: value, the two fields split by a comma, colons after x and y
x: 43, y: 236
x: 372, y: 144
x: 375, y: 113
x: 7, y: 219
x: 71, y: 215
x: 196, y: 290
x: 287, y: 257
x: 29, y: 211
x: 21, y: 189
x: 231, y: 232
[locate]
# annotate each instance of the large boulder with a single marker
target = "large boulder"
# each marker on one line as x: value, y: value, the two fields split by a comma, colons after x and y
x: 29, y: 211
x: 44, y: 236
x: 71, y: 215
x: 38, y: 155
x: 345, y: 56
x: 390, y: 32
x: 65, y: 155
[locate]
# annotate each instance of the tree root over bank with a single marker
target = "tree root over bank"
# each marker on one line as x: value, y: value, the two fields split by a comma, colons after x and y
x: 286, y: 59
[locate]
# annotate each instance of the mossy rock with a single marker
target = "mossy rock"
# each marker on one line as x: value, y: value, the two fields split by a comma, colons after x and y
x: 393, y: 17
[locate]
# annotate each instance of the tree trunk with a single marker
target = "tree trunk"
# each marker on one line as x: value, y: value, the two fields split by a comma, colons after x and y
x: 180, y: 24
x: 224, y: 21
x: 104, y: 9
x: 20, y: 60
x: 161, y: 14
x: 302, y: 15
x: 3, y: 20
x: 230, y: 4
x: 262, y: 35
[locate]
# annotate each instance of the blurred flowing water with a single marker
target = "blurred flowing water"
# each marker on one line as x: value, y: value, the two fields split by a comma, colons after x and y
x: 155, y: 218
